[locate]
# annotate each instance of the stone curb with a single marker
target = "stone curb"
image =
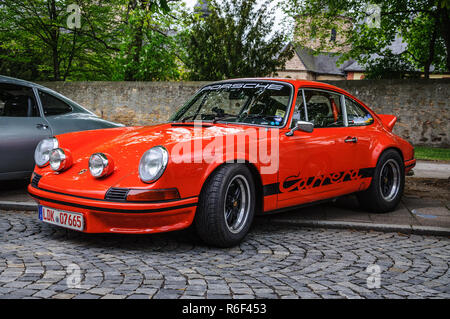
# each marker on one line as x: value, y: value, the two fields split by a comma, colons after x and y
x: 386, y: 228
x: 8, y: 205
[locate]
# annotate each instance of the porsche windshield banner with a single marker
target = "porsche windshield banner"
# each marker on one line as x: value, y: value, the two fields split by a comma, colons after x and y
x: 245, y: 85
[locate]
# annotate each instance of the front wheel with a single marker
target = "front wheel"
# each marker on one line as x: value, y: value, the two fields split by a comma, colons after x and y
x: 226, y: 206
x: 388, y: 182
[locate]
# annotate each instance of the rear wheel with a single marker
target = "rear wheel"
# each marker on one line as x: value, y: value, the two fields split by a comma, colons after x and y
x: 226, y: 206
x: 388, y: 182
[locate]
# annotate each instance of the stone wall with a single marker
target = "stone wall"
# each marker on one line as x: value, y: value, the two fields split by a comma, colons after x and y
x: 422, y: 106
x: 130, y: 103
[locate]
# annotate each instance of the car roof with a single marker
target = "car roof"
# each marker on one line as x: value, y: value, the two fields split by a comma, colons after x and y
x: 297, y: 83
x: 10, y: 80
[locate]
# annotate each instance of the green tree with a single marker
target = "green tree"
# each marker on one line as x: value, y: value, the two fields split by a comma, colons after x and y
x: 36, y: 32
x: 149, y: 50
x: 390, y: 66
x: 117, y: 39
x: 422, y: 24
x: 235, y: 38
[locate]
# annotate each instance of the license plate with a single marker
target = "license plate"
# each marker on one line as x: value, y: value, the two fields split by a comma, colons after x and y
x: 61, y: 218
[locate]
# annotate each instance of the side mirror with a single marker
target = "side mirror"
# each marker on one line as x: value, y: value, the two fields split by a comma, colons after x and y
x: 303, y: 126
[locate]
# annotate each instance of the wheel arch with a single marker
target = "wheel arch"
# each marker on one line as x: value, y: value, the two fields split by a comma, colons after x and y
x: 255, y: 175
x: 384, y: 150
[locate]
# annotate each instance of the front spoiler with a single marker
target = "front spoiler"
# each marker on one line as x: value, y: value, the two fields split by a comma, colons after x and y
x: 117, y: 217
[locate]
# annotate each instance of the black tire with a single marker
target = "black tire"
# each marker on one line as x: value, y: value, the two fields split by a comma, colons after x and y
x: 388, y: 182
x: 212, y: 216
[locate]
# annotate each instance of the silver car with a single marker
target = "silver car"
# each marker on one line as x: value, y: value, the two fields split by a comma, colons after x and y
x: 29, y: 113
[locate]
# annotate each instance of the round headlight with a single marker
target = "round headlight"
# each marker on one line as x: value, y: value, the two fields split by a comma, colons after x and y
x: 153, y: 163
x: 60, y: 160
x: 100, y: 165
x: 43, y: 149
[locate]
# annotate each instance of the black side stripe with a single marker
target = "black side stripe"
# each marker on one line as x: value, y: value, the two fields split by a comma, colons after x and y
x: 114, y: 210
x: 274, y: 188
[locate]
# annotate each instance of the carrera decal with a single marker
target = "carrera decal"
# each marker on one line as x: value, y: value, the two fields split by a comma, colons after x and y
x: 297, y: 183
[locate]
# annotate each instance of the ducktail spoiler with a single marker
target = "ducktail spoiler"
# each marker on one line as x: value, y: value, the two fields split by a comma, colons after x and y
x: 388, y: 120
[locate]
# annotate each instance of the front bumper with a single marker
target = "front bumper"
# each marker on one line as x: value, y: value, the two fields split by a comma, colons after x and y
x: 103, y: 216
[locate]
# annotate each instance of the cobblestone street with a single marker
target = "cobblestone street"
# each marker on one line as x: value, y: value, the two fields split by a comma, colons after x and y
x: 273, y: 262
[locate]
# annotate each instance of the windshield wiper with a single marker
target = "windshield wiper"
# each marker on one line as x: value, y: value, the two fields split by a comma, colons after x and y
x: 193, y: 116
x: 188, y: 117
x: 227, y: 117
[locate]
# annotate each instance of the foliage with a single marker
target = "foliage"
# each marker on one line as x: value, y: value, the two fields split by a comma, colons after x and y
x: 236, y: 38
x: 117, y: 39
x: 149, y: 47
x: 390, y: 66
x: 36, y: 33
x: 422, y: 24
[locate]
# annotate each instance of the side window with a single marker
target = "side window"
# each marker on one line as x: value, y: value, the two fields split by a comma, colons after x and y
x: 53, y: 105
x: 324, y: 109
x: 17, y: 101
x: 357, y: 115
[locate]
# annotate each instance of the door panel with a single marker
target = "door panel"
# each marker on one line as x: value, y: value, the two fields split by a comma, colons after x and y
x: 318, y: 165
x: 21, y: 128
x: 321, y: 164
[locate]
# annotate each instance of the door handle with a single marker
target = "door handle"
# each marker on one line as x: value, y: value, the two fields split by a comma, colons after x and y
x: 42, y: 126
x: 351, y: 140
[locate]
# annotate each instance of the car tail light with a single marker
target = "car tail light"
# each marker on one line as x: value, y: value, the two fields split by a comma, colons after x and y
x: 152, y: 195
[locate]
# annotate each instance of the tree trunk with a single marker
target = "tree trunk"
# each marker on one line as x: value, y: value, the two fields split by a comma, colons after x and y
x: 432, y: 47
x: 54, y: 34
x: 445, y: 31
x: 135, y: 47
x: 135, y: 51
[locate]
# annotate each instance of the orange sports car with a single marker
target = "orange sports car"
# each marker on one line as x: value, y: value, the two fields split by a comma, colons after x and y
x: 237, y: 148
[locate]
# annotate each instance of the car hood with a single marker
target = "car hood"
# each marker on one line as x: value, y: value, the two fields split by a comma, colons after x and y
x: 125, y: 146
x: 122, y: 141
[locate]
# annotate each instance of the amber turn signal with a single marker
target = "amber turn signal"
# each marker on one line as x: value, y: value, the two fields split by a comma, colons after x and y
x: 152, y: 195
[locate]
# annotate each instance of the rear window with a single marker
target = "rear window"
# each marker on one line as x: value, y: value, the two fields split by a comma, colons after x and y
x: 357, y: 115
x: 53, y: 105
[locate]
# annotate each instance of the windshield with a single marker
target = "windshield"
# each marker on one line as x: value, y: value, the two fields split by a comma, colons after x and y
x: 250, y: 102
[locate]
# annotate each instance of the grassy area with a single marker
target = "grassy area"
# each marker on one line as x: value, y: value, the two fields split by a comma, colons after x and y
x: 432, y: 153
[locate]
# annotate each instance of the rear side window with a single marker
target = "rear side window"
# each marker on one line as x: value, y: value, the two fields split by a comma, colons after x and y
x: 17, y: 101
x: 53, y: 105
x: 357, y: 115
